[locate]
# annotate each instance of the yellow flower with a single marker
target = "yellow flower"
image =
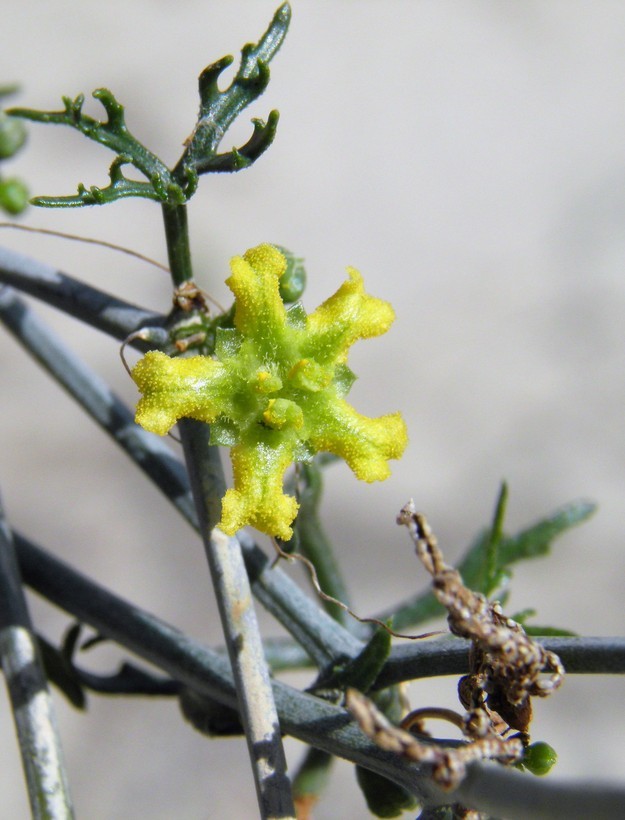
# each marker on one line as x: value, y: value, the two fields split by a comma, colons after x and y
x: 275, y: 390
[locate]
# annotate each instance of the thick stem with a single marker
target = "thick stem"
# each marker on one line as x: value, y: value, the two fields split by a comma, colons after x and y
x: 33, y: 711
x: 95, y: 307
x: 310, y: 719
x: 236, y: 608
x: 230, y: 581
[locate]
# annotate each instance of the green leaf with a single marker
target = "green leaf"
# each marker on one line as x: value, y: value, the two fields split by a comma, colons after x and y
x: 538, y: 631
x: 486, y: 566
x: 113, y: 134
x: 219, y: 109
x: 536, y: 540
x: 362, y: 671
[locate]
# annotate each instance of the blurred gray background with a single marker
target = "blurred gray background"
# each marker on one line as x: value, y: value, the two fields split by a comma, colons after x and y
x: 469, y: 158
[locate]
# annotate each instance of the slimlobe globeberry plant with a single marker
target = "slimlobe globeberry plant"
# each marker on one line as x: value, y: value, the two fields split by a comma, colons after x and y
x: 269, y: 381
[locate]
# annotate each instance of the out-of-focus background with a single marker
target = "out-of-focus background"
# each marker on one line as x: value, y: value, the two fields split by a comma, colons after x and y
x: 469, y: 158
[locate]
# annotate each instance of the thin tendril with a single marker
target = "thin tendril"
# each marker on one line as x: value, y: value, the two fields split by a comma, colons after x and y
x: 413, y: 721
x: 88, y: 240
x: 289, y: 556
x: 103, y: 243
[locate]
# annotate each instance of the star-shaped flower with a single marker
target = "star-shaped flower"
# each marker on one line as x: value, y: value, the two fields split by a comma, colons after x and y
x: 275, y: 390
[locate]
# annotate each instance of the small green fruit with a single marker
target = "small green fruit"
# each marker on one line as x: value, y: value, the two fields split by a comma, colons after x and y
x: 539, y: 758
x: 13, y: 195
x: 12, y: 136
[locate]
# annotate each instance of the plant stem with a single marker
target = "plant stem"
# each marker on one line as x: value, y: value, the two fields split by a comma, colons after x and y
x: 317, y: 632
x: 310, y: 719
x: 178, y: 248
x: 98, y: 400
x: 230, y: 582
x: 447, y: 656
x: 33, y: 711
x: 238, y: 618
x: 95, y: 307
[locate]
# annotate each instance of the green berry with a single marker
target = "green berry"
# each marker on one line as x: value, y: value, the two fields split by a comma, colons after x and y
x: 539, y: 758
x: 12, y: 136
x: 13, y: 195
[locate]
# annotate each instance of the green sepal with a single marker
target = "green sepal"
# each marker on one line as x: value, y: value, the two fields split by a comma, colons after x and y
x: 296, y: 315
x: 344, y: 377
x: 228, y: 342
x: 223, y: 433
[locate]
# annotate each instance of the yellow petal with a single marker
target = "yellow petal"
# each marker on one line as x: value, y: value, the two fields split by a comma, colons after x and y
x: 175, y: 388
x: 365, y: 444
x: 260, y: 312
x: 257, y: 499
x: 348, y: 315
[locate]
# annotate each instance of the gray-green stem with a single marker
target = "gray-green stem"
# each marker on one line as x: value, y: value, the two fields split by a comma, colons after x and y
x: 230, y: 582
x: 310, y: 719
x: 33, y: 710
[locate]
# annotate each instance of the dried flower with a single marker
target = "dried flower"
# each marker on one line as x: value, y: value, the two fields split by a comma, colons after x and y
x: 448, y: 762
x: 507, y: 666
